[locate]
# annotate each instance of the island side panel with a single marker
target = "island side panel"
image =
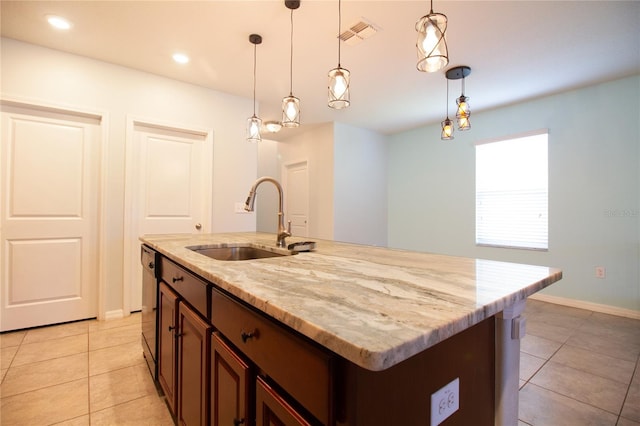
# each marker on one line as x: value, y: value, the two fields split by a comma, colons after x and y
x: 401, y: 395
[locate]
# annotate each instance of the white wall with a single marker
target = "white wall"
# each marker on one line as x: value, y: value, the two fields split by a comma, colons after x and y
x: 266, y: 206
x: 594, y: 189
x: 347, y: 181
x: 316, y: 147
x: 360, y: 192
x: 51, y: 77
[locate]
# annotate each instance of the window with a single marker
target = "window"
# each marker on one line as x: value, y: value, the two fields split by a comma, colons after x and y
x: 512, y: 192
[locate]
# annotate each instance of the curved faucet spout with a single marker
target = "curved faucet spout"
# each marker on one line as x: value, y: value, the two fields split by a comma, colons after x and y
x: 249, y: 206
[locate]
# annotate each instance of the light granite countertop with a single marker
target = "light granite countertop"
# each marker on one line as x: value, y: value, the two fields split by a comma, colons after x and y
x: 373, y: 306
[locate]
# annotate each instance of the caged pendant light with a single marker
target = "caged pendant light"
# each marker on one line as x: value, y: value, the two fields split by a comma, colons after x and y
x: 254, y: 123
x: 291, y: 104
x: 339, y: 78
x: 463, y: 111
x: 447, y: 125
x: 431, y: 44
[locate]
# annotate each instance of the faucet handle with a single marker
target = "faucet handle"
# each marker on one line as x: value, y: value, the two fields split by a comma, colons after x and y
x: 289, y: 227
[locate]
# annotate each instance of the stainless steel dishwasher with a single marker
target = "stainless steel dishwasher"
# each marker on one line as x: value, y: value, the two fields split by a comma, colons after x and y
x: 149, y: 259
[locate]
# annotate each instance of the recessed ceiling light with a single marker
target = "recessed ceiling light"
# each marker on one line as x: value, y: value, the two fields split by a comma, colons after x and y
x: 180, y: 58
x: 58, y: 22
x: 273, y: 126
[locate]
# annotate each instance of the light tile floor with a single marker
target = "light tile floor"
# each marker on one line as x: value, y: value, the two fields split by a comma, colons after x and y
x: 577, y: 368
x: 82, y: 373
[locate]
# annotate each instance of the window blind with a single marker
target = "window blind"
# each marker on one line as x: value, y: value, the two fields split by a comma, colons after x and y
x: 512, y: 192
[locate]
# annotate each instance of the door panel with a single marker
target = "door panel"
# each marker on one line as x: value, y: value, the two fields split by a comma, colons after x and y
x: 193, y: 367
x: 273, y: 410
x: 29, y: 284
x: 167, y: 345
x: 170, y: 177
x: 168, y: 190
x: 230, y: 376
x: 48, y: 217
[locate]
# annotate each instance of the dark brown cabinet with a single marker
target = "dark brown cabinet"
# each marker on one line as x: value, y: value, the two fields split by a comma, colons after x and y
x: 280, y: 354
x: 193, y: 367
x: 184, y: 337
x: 231, y: 379
x: 222, y: 362
x: 214, y: 377
x: 168, y: 319
x: 273, y: 410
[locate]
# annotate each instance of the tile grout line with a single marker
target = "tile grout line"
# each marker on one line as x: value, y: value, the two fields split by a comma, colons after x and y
x: 89, y: 373
x: 626, y: 395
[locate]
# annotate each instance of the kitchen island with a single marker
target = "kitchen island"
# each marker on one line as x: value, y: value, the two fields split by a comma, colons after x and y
x: 392, y: 326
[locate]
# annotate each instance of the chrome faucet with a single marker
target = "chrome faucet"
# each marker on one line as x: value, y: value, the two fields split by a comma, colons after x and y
x: 248, y: 206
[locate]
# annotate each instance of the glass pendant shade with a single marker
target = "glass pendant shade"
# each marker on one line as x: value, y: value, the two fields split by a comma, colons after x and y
x: 431, y: 44
x: 339, y: 79
x: 253, y: 129
x: 463, y: 113
x: 290, y: 111
x: 447, y: 129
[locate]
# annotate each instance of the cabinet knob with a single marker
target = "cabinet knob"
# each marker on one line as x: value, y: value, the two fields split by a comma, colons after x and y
x: 171, y: 328
x: 151, y: 265
x: 238, y: 422
x: 250, y: 335
x: 176, y: 279
x: 198, y: 226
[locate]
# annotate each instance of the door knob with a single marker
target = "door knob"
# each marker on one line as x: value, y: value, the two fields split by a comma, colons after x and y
x: 198, y: 226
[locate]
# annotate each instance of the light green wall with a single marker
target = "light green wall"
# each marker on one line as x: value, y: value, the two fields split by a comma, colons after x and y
x: 594, y: 189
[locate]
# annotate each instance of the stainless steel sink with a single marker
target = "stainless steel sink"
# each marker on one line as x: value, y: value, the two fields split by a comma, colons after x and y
x: 238, y: 252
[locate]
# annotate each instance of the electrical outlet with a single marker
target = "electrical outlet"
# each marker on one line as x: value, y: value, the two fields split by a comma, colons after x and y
x: 445, y: 402
x: 239, y: 208
x: 600, y: 272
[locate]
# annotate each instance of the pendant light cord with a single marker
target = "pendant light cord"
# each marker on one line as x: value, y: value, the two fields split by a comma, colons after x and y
x: 291, y: 59
x: 254, y: 79
x: 447, y: 98
x: 339, y: 28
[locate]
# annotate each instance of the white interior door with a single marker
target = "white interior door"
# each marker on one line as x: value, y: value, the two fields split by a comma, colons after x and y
x: 168, y: 189
x: 49, y: 180
x: 297, y: 198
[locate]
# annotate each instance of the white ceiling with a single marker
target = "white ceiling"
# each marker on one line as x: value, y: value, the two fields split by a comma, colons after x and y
x: 517, y: 50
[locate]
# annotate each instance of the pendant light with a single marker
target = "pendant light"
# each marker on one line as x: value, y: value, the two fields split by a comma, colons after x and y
x: 431, y: 44
x: 463, y: 111
x: 339, y: 77
x: 254, y: 123
x: 291, y: 104
x: 447, y: 125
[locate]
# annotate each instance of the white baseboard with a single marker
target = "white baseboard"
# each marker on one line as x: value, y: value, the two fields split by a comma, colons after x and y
x: 581, y: 304
x: 117, y: 314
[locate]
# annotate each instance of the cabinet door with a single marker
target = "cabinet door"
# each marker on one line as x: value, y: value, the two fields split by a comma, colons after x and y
x: 167, y: 317
x: 230, y: 383
x: 272, y: 410
x: 193, y: 367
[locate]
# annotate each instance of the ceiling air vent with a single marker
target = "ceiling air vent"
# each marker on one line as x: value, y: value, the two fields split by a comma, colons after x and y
x: 357, y: 32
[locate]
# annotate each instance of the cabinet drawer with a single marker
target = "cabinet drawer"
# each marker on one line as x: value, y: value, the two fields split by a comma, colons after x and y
x: 299, y: 368
x: 191, y: 288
